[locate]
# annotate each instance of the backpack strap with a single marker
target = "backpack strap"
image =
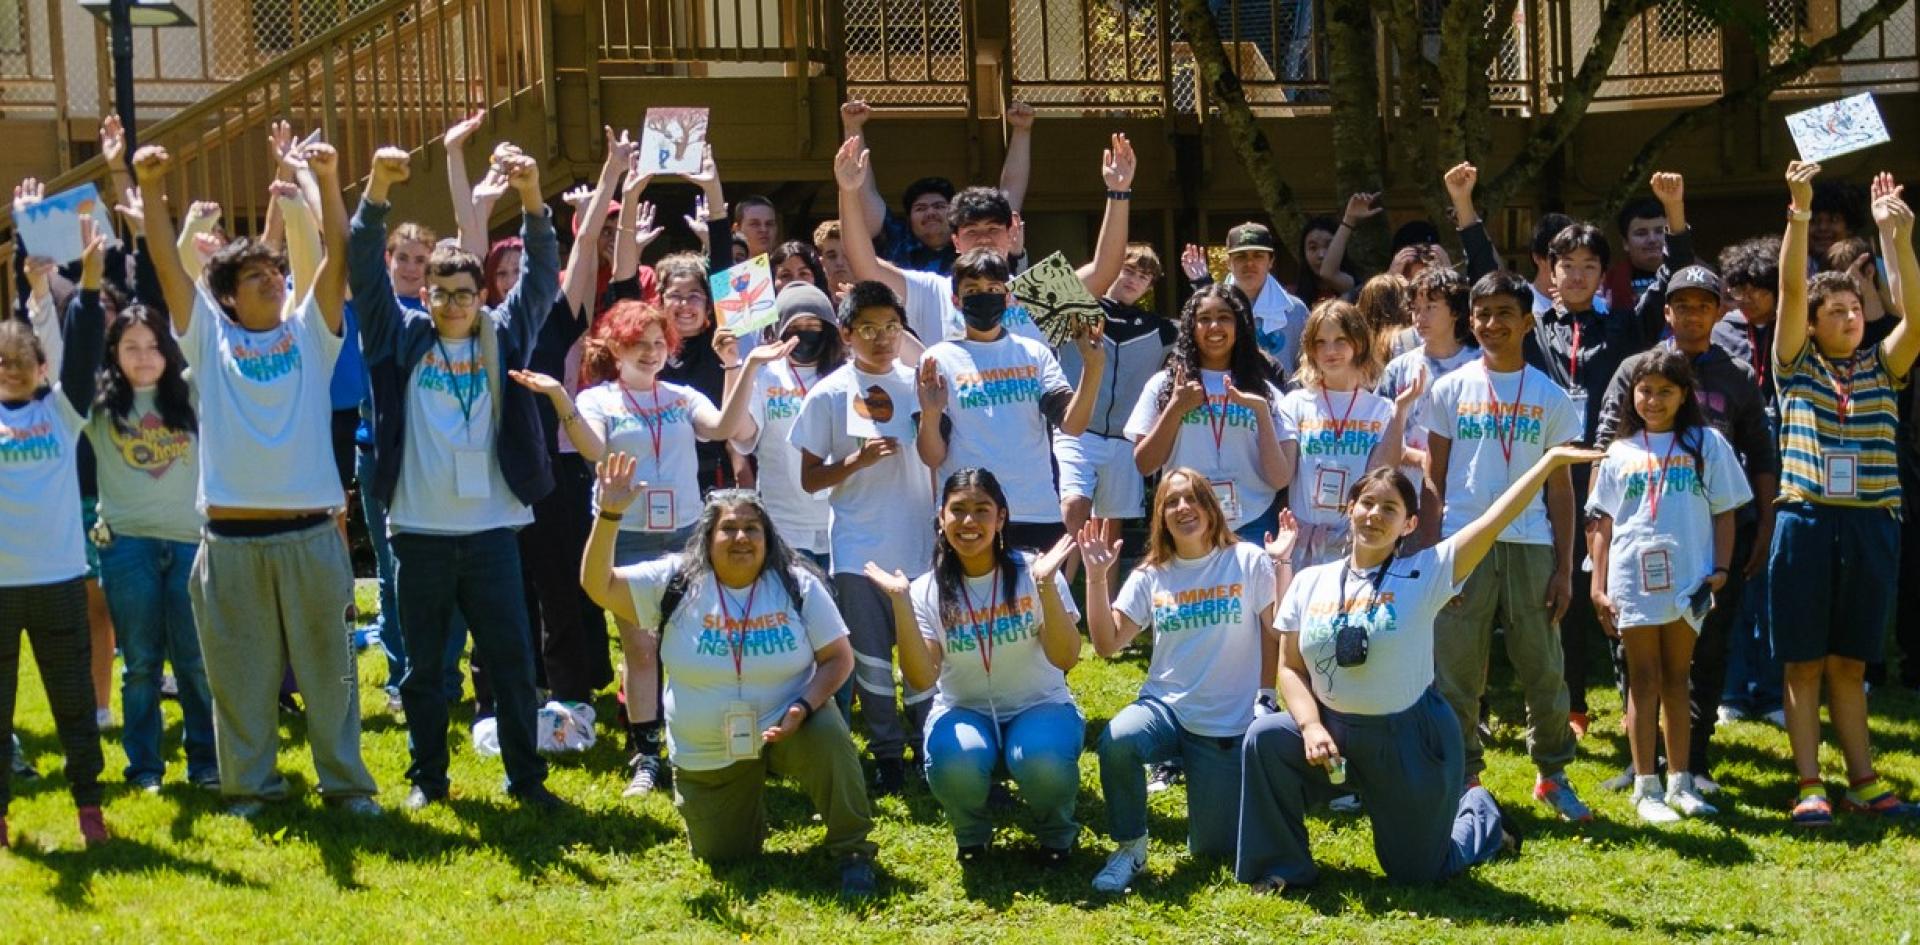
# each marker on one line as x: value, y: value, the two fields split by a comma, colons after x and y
x: 670, y: 598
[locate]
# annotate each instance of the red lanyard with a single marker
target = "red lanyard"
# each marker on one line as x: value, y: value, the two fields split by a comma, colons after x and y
x: 1512, y: 431
x: 797, y: 379
x: 1759, y: 360
x: 1657, y: 485
x: 983, y: 627
x: 1573, y: 353
x: 655, y: 425
x: 736, y: 630
x: 1842, y: 390
x: 1340, y: 425
x: 1217, y: 420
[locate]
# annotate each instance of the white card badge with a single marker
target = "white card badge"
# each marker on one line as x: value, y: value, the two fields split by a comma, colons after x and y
x: 1656, y: 570
x: 742, y: 741
x: 1578, y: 395
x: 1842, y: 480
x: 470, y: 479
x: 1329, y: 488
x: 660, y: 517
x: 1229, y: 498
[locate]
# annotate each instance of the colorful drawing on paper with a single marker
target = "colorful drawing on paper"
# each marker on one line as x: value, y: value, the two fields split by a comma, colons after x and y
x: 1836, y: 128
x: 743, y: 297
x: 673, y: 141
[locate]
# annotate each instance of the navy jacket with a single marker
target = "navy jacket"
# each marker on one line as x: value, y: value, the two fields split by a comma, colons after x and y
x: 395, y: 340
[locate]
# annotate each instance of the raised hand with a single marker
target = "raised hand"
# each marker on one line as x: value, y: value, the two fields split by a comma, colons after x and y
x: 636, y: 181
x: 618, y: 488
x: 1020, y: 115
x: 1286, y: 532
x: 1252, y: 400
x: 206, y: 244
x: 523, y: 175
x: 1096, y: 552
x: 93, y: 257
x: 1403, y: 402
x: 1090, y: 342
x: 850, y: 164
x: 932, y: 388
x: 1404, y: 261
x: 708, y: 176
x: 1193, y: 262
x: 1668, y: 187
x: 151, y: 163
x: 492, y: 186
x: 577, y: 197
x: 40, y: 271
x: 456, y: 136
x: 854, y: 115
x: 284, y: 190
x: 1362, y: 207
x: 1048, y: 565
x: 644, y: 232
x: 1800, y: 175
x: 324, y: 161
x: 1117, y: 163
x: 621, y: 147
x: 727, y: 347
x: 27, y: 193
x: 770, y: 352
x: 891, y: 583
x: 113, y: 142
x: 1889, y: 210
x: 1460, y: 180
x: 285, y: 149
x: 1568, y: 454
x: 132, y: 209
x: 543, y: 384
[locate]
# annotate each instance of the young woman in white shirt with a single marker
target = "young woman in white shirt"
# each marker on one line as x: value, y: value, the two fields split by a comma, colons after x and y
x: 992, y: 631
x: 1363, y: 716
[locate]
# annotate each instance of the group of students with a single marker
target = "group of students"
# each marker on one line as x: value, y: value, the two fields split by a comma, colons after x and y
x: 903, y: 475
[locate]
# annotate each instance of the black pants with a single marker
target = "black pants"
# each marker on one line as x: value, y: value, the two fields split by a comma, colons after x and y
x: 54, y: 617
x: 1906, y: 627
x: 571, y: 629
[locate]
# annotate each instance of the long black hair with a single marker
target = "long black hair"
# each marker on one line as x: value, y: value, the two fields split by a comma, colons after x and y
x: 948, y: 576
x: 172, y: 398
x: 1676, y: 367
x: 1245, y: 365
x: 781, y: 558
x: 808, y: 255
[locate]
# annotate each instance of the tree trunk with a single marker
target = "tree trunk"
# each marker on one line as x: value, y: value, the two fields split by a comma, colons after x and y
x: 1243, y: 129
x: 1354, y: 84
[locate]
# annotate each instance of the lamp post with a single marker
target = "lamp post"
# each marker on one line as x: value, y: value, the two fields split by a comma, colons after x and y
x: 121, y: 16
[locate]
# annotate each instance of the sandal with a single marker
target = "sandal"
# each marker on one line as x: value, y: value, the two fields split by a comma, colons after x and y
x: 1813, y: 811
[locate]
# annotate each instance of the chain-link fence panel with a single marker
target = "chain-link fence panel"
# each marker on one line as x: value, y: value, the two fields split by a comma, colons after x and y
x: 907, y: 53
x: 1884, y: 60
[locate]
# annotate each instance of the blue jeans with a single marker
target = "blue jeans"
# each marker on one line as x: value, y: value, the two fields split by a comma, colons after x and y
x: 1754, y: 677
x: 478, y: 575
x: 1039, y: 747
x: 1257, y: 528
x: 393, y: 641
x: 1147, y: 732
x: 146, y: 584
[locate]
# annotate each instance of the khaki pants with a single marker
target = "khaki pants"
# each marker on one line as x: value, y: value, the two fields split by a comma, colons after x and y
x: 262, y: 604
x: 726, y: 814
x: 1508, y: 589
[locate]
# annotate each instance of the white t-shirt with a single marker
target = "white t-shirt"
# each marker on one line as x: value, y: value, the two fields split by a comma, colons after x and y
x: 1337, y: 431
x: 631, y: 421
x: 450, y: 479
x: 40, y: 542
x: 148, y: 473
x: 994, y: 391
x: 774, y: 639
x: 1533, y: 415
x: 1205, y: 618
x: 992, y: 660
x: 1654, y: 563
x: 1234, y: 457
x: 1399, y: 375
x: 933, y: 316
x: 778, y: 390
x: 266, y: 414
x: 883, y: 513
x: 1397, y: 616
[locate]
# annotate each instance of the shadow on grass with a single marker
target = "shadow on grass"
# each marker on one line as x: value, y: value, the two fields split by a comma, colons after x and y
x: 77, y: 869
x: 812, y: 876
x: 537, y: 842
x: 1467, y: 899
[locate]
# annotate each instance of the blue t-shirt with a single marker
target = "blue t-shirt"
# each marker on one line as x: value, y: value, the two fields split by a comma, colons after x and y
x: 350, y: 387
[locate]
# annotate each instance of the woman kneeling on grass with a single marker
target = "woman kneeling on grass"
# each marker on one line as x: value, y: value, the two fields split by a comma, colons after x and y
x: 992, y: 632
x: 1356, y: 670
x: 753, y: 649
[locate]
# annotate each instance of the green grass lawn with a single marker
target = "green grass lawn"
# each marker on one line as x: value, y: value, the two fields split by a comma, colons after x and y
x: 478, y: 870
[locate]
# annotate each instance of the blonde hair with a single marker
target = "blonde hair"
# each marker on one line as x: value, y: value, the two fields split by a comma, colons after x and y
x: 1160, y: 548
x: 1347, y: 320
x: 1386, y: 303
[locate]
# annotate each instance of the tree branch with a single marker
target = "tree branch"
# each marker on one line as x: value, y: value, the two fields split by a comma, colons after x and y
x: 1243, y: 130
x: 1798, y: 63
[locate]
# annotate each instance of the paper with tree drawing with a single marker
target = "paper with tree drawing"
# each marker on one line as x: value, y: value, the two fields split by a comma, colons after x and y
x: 1059, y: 302
x: 1837, y: 128
x: 673, y: 141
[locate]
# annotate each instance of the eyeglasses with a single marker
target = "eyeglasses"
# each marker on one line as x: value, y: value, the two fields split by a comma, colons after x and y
x: 690, y: 299
x: 872, y: 332
x: 462, y: 298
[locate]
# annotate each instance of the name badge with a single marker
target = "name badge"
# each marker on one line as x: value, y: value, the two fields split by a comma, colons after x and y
x: 470, y: 479
x: 1578, y: 395
x: 660, y: 510
x: 738, y: 722
x: 1329, y: 488
x: 1229, y: 498
x: 1842, y: 479
x: 1656, y: 570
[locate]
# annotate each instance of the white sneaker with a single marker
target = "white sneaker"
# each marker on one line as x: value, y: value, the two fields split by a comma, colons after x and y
x: 1653, y: 809
x: 1730, y: 714
x: 1345, y: 804
x: 1705, y: 785
x: 1777, y: 718
x: 1688, y: 803
x: 103, y: 718
x: 1121, y: 867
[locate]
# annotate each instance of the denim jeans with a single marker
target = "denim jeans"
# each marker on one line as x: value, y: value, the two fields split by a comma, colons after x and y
x: 478, y: 575
x: 1754, y: 677
x: 1146, y: 732
x: 146, y: 582
x: 1039, y: 747
x: 393, y: 641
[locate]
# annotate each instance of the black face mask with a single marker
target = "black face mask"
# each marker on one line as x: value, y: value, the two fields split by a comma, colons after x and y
x: 983, y: 311
x: 808, y: 344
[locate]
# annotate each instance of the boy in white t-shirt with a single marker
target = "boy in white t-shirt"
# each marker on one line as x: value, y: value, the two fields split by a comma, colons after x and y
x: 1487, y: 424
x: 852, y: 434
x: 989, y: 399
x: 272, y: 580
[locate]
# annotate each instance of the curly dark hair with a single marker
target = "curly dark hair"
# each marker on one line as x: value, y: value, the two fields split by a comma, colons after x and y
x: 1246, y: 366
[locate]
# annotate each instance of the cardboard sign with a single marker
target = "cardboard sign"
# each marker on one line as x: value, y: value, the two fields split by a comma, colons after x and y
x: 1059, y: 302
x: 743, y: 297
x: 673, y: 141
x: 51, y: 228
x: 1837, y: 128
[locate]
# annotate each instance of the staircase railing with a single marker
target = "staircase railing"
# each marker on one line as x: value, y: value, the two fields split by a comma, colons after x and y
x: 399, y: 72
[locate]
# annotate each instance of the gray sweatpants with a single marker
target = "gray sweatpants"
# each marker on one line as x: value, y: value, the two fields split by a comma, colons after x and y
x: 1405, y: 766
x: 1510, y: 588
x: 260, y: 605
x: 869, y: 617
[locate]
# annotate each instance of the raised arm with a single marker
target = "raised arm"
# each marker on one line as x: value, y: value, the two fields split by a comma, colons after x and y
x: 872, y: 208
x: 1474, y: 539
x: 1790, y: 322
x: 150, y: 165
x: 725, y: 422
x: 330, y: 283
x: 1059, y: 635
x: 635, y: 227
x: 617, y: 492
x: 302, y: 236
x: 1093, y: 361
x: 1481, y: 257
x: 1109, y: 629
x: 530, y: 300
x: 919, y: 655
x: 1018, y: 168
x: 1117, y: 166
x: 930, y: 441
x: 86, y: 328
x: 1391, y: 450
x: 1360, y: 208
x: 583, y: 260
x: 1895, y: 220
x: 466, y: 218
x: 853, y: 176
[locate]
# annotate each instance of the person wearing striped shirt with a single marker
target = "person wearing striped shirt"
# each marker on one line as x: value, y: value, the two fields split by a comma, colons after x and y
x: 1836, y: 544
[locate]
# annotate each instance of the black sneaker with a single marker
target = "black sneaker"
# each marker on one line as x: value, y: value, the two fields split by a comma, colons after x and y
x: 889, y: 777
x: 856, y: 878
x: 1164, y: 775
x: 538, y: 798
x: 1052, y: 858
x: 650, y: 774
